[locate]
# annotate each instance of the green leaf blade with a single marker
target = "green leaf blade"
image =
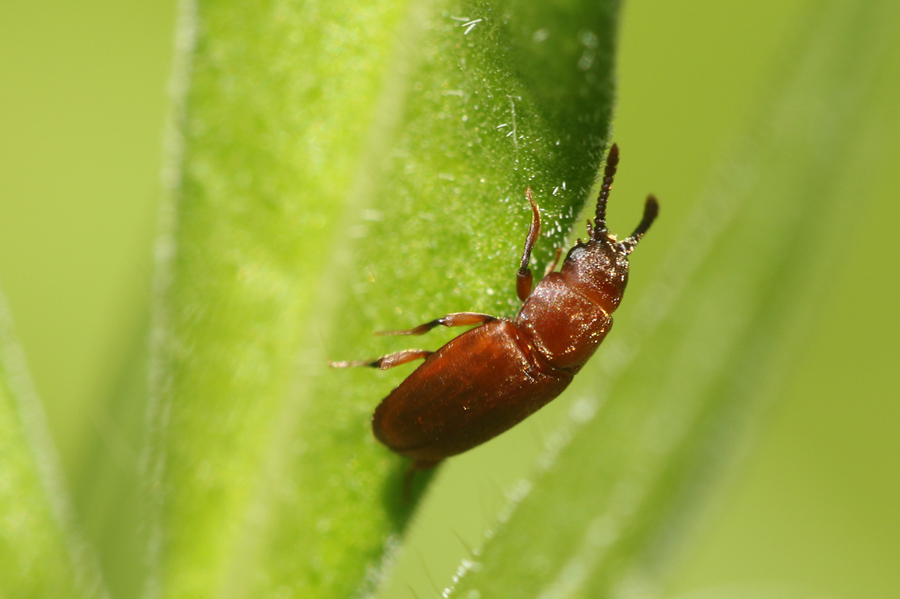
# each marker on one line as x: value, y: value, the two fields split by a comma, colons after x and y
x: 40, y: 555
x: 267, y: 155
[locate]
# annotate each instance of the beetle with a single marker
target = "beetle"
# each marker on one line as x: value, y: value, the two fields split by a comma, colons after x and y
x: 490, y: 378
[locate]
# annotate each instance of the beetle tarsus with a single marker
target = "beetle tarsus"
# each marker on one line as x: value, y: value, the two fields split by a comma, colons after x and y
x: 456, y: 319
x: 352, y: 364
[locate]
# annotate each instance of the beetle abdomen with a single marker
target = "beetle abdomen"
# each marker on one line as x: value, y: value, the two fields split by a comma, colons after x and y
x: 450, y: 404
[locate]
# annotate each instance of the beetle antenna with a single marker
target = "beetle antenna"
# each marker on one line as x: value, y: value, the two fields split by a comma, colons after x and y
x: 612, y: 161
x: 651, y: 209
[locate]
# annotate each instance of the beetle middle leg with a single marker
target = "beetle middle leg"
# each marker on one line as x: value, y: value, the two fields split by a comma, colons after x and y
x: 388, y: 361
x: 456, y: 319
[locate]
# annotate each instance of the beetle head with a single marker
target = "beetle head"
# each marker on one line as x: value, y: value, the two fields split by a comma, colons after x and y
x: 599, y: 267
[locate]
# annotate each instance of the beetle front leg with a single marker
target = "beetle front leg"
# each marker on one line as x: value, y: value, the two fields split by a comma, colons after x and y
x: 457, y: 319
x: 552, y: 266
x: 524, y: 279
x: 388, y: 361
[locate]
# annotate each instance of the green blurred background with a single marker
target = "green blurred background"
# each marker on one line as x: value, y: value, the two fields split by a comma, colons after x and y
x: 815, y: 505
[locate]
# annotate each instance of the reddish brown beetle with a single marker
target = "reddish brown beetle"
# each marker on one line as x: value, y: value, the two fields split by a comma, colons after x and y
x: 490, y: 378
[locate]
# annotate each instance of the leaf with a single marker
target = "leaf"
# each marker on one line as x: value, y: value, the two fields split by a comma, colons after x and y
x: 40, y: 553
x: 343, y: 169
x: 109, y: 494
x: 712, y: 337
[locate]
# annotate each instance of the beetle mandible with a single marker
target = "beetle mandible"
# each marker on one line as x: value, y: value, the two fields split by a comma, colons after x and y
x: 490, y: 378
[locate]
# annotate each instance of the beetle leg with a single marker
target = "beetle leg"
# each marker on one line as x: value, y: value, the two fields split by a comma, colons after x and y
x: 388, y: 361
x: 415, y: 466
x: 552, y: 266
x: 523, y: 277
x: 457, y: 319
